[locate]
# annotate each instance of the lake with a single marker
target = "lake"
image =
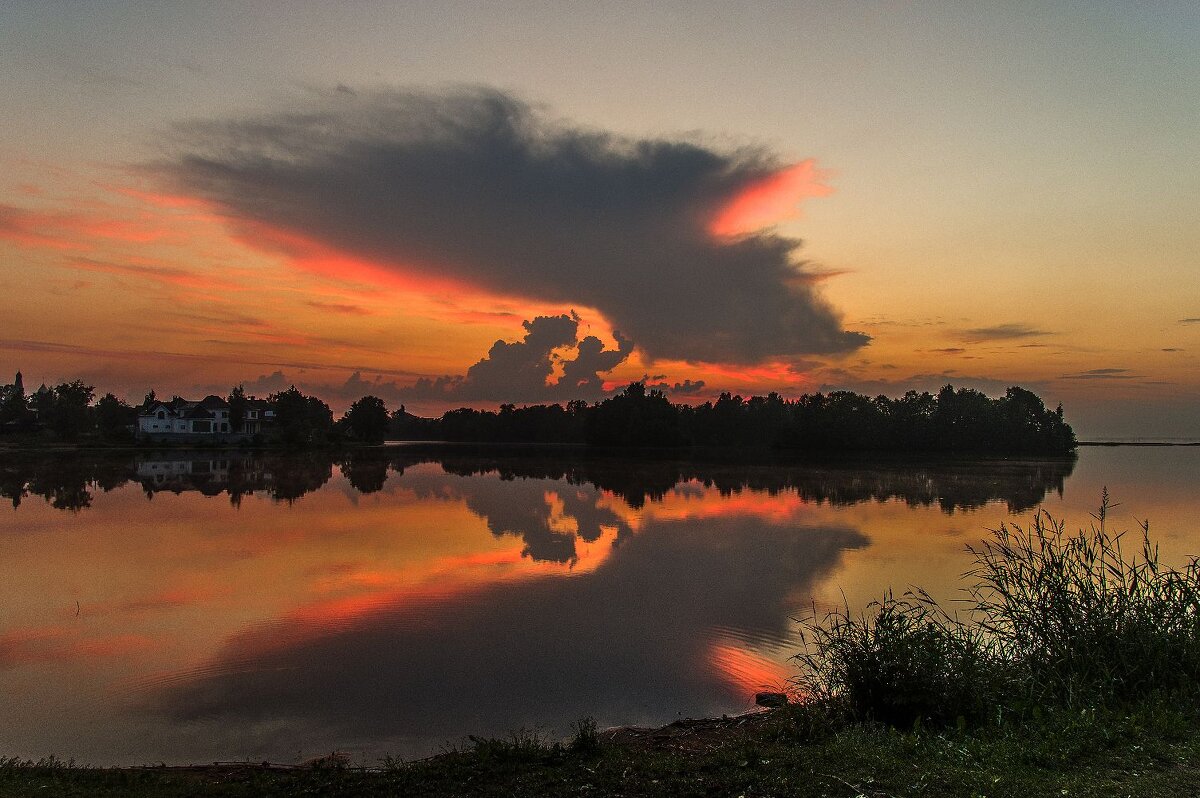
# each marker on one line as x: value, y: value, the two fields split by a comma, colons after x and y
x: 193, y: 607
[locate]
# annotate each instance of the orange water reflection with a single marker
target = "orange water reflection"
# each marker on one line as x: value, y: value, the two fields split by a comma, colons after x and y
x: 189, y: 608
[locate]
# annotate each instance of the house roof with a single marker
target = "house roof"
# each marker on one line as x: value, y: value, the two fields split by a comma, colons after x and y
x: 205, y: 408
x: 213, y: 402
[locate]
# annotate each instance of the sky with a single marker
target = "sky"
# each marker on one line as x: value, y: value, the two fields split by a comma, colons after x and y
x: 449, y: 204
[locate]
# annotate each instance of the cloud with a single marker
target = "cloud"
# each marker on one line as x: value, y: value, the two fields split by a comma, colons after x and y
x: 335, y: 307
x: 168, y: 275
x: 949, y: 350
x: 1004, y: 332
x: 1100, y: 374
x: 266, y: 384
x: 522, y: 371
x: 849, y: 381
x: 687, y: 387
x: 477, y: 187
x: 102, y: 354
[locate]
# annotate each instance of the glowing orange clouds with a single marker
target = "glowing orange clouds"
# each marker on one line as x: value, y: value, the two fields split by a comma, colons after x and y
x: 773, y: 199
x: 315, y: 257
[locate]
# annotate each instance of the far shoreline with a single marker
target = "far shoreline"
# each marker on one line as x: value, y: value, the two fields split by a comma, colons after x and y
x: 1137, y: 443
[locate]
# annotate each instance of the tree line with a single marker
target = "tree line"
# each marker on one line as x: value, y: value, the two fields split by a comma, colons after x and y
x: 70, y: 412
x: 952, y: 421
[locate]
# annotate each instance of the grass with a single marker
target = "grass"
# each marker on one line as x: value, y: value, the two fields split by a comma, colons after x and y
x: 1052, y: 620
x: 1072, y: 670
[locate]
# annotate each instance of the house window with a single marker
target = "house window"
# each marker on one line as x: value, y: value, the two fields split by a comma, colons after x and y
x: 161, y: 415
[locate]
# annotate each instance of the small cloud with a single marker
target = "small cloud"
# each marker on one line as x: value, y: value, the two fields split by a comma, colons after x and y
x: 1004, y: 332
x: 685, y: 388
x: 1194, y: 320
x: 521, y: 370
x: 1100, y: 374
x: 334, y: 307
x: 266, y: 384
x: 949, y: 350
x: 1172, y: 349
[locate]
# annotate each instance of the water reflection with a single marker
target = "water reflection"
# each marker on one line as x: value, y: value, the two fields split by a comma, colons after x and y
x: 191, y: 606
x: 69, y: 482
x: 629, y: 641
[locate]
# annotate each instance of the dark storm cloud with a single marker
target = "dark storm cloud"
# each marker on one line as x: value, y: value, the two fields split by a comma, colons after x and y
x: 478, y: 186
x: 521, y: 371
x: 1004, y: 332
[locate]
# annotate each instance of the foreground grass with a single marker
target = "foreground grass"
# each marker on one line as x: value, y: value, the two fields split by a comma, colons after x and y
x: 793, y: 752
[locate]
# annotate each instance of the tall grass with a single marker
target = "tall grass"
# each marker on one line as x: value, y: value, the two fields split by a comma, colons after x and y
x: 1051, y: 620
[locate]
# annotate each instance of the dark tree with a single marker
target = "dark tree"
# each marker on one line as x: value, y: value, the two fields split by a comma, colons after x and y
x: 238, y: 404
x: 65, y: 408
x: 367, y: 419
x: 634, y: 417
x: 114, y: 417
x: 301, y: 419
x: 14, y: 406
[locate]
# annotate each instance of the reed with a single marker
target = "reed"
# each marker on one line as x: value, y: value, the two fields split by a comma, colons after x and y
x: 1051, y: 620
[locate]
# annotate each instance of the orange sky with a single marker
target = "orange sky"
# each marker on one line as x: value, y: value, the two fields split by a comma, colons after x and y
x: 983, y: 247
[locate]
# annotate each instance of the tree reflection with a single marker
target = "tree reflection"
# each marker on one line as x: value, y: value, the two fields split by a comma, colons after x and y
x: 366, y: 473
x: 69, y: 481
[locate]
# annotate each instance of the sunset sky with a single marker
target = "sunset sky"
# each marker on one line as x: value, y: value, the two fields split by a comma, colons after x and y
x: 447, y: 204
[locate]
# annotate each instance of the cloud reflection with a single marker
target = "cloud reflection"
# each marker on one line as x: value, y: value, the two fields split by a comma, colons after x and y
x: 631, y: 640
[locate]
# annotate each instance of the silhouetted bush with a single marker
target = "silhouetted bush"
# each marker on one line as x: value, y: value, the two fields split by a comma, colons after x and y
x: 1054, y: 620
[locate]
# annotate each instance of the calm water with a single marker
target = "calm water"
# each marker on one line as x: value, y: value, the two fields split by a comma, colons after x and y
x: 194, y: 608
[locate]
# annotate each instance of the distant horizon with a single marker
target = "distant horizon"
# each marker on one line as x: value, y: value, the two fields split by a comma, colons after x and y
x: 340, y: 403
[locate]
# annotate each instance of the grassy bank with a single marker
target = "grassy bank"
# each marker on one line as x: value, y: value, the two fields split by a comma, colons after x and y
x: 1072, y: 669
x: 1153, y: 751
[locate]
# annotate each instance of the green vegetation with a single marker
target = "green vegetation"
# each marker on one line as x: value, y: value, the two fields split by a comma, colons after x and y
x: 1053, y: 620
x: 1072, y: 672
x: 797, y: 751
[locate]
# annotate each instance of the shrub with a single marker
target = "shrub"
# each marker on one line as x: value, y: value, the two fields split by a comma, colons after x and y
x: 1083, y: 621
x: 903, y: 661
x: 585, y: 738
x: 1054, y: 620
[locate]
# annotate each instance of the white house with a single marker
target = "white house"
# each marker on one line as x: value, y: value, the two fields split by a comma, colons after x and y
x: 182, y: 419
